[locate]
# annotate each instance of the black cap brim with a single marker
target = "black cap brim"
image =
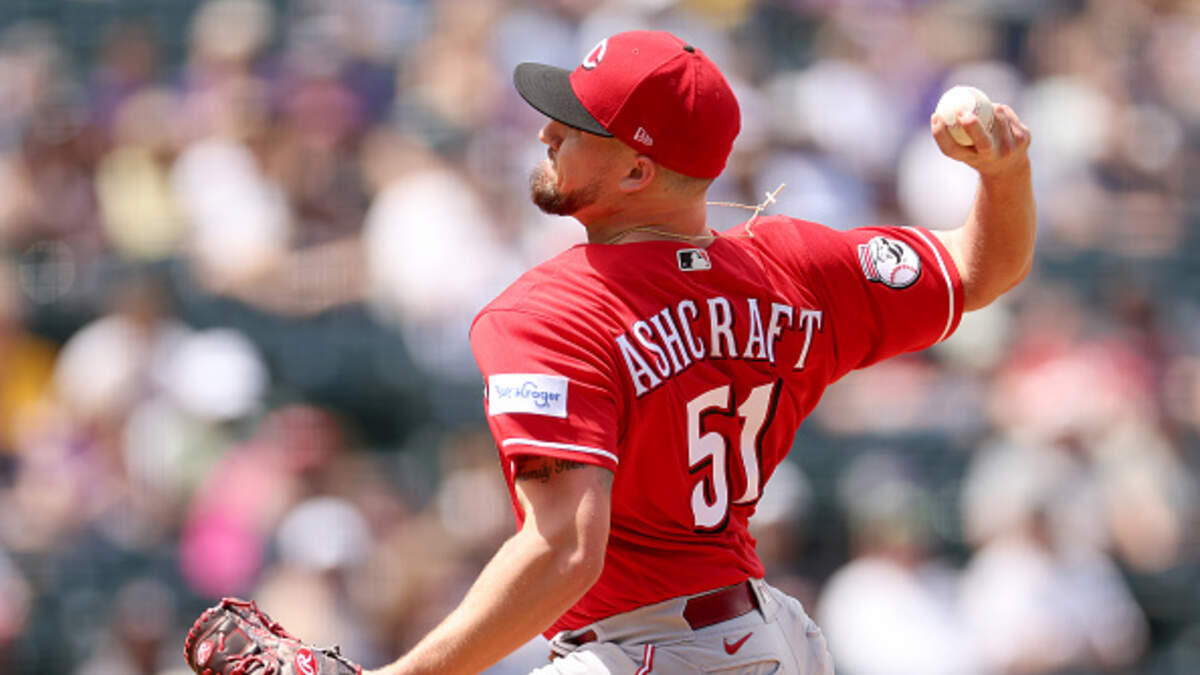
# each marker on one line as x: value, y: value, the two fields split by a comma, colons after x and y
x: 548, y: 89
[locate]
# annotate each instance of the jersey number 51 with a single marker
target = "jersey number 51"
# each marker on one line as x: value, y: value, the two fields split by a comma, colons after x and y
x: 708, y: 452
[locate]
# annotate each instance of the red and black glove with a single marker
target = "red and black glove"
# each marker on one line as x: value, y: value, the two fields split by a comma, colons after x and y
x: 235, y: 637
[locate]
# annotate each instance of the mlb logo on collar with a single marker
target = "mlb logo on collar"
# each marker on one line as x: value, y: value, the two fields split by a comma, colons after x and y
x: 693, y: 259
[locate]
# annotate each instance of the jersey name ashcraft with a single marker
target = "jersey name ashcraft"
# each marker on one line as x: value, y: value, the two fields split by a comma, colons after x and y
x: 670, y: 338
x: 691, y: 390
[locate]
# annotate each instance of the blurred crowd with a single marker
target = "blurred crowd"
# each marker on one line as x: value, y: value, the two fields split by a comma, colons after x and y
x: 241, y: 243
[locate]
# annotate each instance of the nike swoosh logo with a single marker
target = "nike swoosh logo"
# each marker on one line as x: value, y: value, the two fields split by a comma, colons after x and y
x: 732, y: 649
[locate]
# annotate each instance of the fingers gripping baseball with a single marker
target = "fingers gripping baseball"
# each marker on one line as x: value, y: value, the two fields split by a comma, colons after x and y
x: 235, y: 637
x: 994, y: 152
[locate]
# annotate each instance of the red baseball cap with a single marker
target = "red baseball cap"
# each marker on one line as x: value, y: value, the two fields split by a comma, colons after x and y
x: 657, y: 93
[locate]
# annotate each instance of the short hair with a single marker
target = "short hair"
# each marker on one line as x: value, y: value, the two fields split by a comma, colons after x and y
x: 679, y: 183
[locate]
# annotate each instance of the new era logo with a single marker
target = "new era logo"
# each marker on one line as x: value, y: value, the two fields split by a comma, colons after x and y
x: 642, y: 136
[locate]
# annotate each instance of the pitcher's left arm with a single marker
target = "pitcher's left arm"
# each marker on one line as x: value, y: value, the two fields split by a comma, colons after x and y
x: 993, y: 250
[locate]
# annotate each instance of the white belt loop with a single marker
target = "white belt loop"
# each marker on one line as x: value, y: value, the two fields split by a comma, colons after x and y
x: 558, y: 648
x: 766, y: 600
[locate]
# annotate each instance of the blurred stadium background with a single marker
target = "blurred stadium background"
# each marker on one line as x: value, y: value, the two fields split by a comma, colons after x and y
x: 241, y: 242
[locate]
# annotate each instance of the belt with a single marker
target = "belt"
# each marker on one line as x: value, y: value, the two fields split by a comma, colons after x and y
x: 704, y: 610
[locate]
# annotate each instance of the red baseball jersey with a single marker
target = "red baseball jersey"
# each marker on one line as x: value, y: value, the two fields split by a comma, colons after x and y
x: 687, y: 372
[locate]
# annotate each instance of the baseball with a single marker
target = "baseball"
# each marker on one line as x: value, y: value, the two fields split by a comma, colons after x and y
x: 903, y: 275
x: 964, y: 98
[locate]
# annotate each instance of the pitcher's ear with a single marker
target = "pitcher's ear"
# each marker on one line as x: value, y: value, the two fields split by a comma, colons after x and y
x: 641, y: 174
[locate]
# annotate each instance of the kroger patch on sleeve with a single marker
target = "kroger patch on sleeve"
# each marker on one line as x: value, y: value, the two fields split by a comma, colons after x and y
x: 534, y: 394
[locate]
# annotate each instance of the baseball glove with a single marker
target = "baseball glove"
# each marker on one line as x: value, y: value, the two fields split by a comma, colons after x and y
x: 235, y: 637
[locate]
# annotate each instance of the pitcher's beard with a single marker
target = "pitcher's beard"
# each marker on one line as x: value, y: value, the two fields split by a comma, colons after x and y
x: 546, y: 195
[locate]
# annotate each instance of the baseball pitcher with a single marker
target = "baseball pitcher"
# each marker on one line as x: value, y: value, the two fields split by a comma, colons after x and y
x: 643, y: 387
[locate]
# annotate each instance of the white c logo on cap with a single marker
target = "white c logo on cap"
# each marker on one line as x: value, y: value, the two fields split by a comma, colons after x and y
x: 595, y: 56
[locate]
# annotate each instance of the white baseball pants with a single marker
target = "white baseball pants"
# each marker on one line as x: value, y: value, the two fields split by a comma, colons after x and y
x: 778, y: 638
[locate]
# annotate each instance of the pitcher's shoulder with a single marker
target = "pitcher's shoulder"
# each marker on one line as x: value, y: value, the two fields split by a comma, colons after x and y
x: 770, y: 228
x: 782, y: 239
x: 566, y: 284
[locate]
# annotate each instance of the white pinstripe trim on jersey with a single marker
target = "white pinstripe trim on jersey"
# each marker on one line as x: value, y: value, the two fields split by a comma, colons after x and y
x: 561, y: 446
x: 945, y: 275
x: 647, y: 660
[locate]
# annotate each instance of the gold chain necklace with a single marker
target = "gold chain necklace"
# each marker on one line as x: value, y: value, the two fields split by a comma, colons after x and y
x: 707, y: 236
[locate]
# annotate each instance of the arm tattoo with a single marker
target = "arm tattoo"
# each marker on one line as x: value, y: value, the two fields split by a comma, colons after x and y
x: 542, y: 468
